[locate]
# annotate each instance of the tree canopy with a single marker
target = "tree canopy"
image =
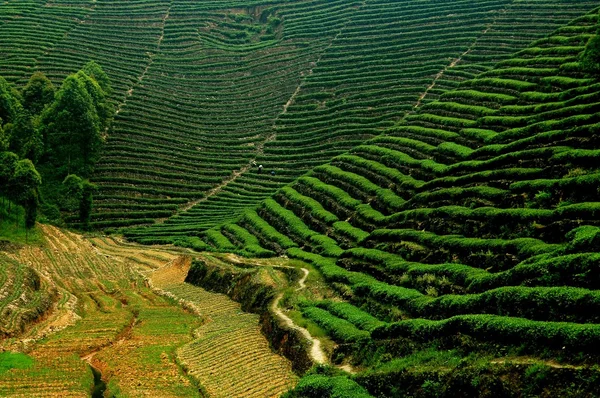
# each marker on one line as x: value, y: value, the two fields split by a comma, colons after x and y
x: 60, y: 131
x: 37, y: 93
x: 71, y: 128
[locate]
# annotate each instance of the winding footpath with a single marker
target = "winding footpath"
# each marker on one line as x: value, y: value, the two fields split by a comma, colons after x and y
x: 316, y: 352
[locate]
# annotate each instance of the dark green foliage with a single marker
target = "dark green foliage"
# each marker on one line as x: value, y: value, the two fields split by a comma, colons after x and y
x: 9, y: 103
x: 322, y: 386
x: 536, y: 335
x: 72, y: 193
x: 25, y: 138
x: 103, y: 108
x: 37, y: 93
x: 85, y: 206
x: 71, y: 128
x: 93, y: 70
x: 8, y: 163
x: 25, y: 178
x: 31, y: 205
x: 25, y: 183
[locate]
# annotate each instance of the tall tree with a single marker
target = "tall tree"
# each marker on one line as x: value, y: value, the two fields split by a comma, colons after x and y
x: 26, y: 182
x: 72, y: 190
x: 71, y: 128
x: 4, y: 138
x: 37, y: 93
x: 9, y: 103
x: 31, y: 205
x: 104, y: 109
x: 25, y: 139
x: 8, y: 163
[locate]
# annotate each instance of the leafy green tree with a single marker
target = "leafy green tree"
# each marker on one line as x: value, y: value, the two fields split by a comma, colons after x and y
x: 103, y: 108
x: 8, y: 163
x: 37, y: 93
x: 26, y: 182
x: 31, y: 205
x: 4, y: 138
x: 78, y: 193
x: 25, y: 139
x: 9, y: 103
x: 71, y: 129
x: 72, y: 192
x: 26, y: 177
x: 93, y: 70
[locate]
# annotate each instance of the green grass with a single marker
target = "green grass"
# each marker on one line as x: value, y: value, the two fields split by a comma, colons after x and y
x: 14, y: 360
x: 12, y: 225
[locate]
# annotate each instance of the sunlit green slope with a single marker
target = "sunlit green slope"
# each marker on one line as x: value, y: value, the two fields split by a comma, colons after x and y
x: 470, y: 226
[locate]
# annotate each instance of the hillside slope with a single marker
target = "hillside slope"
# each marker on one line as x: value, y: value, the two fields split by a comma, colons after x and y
x: 471, y: 226
x: 124, y: 310
x: 384, y: 60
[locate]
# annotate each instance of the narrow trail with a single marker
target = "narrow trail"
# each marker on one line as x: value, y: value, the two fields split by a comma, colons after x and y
x: 316, y: 352
x: 439, y: 75
x: 151, y: 56
x: 301, y: 281
x: 455, y: 61
x: 214, y: 191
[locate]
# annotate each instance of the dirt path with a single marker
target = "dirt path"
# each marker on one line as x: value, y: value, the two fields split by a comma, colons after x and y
x: 316, y: 352
x: 301, y: 281
x: 151, y: 56
x: 455, y: 61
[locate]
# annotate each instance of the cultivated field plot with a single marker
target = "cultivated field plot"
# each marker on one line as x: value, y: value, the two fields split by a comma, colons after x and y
x: 105, y: 314
x: 229, y: 356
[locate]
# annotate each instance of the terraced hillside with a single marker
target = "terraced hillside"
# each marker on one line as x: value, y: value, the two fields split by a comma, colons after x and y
x: 467, y: 232
x: 433, y: 163
x: 24, y: 296
x: 229, y: 356
x: 378, y: 67
x: 213, y: 84
x: 124, y: 310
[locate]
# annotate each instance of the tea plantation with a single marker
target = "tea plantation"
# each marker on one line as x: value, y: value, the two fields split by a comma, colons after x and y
x: 406, y: 193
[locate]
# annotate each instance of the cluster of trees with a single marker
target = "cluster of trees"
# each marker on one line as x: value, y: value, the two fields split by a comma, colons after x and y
x: 58, y: 132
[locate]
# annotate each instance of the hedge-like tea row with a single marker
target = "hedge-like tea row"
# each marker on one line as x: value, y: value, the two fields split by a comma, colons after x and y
x: 340, y: 329
x: 536, y: 335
